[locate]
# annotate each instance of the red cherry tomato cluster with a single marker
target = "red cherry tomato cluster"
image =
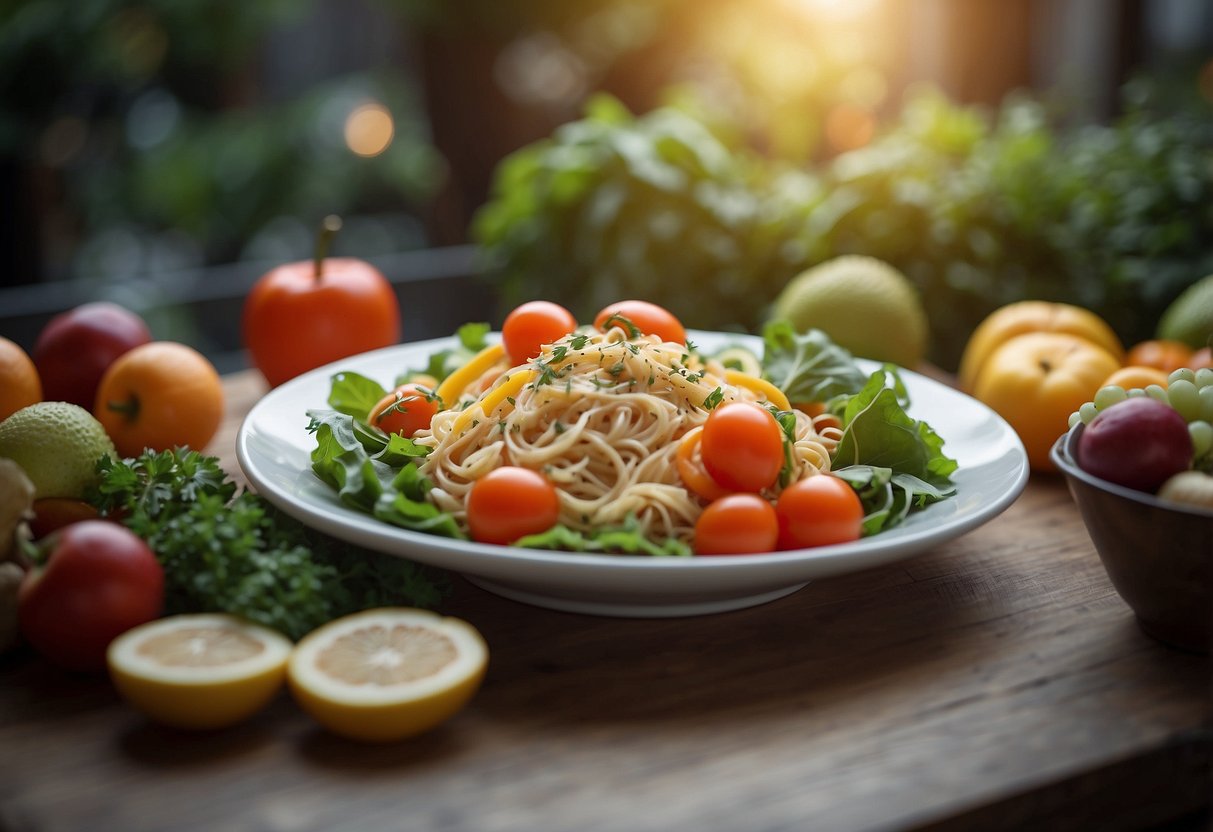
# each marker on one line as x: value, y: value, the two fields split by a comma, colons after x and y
x: 742, y: 448
x: 741, y: 453
x: 532, y: 325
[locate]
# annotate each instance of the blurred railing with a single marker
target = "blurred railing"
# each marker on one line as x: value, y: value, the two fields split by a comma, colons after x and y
x: 438, y: 288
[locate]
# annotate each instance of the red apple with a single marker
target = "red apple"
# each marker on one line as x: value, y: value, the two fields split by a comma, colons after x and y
x: 99, y: 581
x: 1138, y: 443
x: 76, y: 347
x: 302, y: 315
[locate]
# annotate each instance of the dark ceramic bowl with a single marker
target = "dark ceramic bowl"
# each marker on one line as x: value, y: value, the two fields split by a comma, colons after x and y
x: 1158, y: 555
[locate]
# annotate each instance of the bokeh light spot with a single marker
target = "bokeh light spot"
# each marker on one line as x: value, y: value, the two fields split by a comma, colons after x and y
x: 369, y: 129
x: 540, y: 69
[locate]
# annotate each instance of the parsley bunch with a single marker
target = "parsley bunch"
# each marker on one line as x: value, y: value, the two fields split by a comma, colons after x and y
x: 235, y: 553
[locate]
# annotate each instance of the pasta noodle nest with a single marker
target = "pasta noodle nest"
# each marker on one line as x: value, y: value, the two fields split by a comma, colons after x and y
x: 601, y: 415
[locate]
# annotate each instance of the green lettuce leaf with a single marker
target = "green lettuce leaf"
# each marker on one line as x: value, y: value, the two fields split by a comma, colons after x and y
x: 354, y: 394
x: 808, y: 367
x: 624, y: 540
x: 888, y: 497
x: 376, y: 473
x: 878, y: 432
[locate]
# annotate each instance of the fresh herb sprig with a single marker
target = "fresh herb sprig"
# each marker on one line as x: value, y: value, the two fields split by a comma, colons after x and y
x: 224, y: 551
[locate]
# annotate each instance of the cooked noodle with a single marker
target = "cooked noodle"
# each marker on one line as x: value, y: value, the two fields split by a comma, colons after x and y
x: 602, y: 416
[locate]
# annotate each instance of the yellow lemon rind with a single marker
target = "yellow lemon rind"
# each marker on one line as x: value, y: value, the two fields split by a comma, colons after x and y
x: 199, y: 698
x: 372, y: 713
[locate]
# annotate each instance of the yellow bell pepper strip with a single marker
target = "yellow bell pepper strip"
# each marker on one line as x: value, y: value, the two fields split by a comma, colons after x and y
x: 760, y: 386
x: 494, y: 398
x: 454, y: 384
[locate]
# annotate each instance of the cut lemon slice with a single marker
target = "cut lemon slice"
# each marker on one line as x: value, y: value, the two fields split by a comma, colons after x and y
x: 199, y: 671
x: 386, y: 674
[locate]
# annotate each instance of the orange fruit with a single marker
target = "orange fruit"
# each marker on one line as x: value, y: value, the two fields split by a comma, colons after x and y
x: 160, y: 395
x: 1161, y: 353
x: 19, y: 382
x: 1203, y: 357
x: 1026, y: 316
x: 1136, y: 375
x: 1036, y: 380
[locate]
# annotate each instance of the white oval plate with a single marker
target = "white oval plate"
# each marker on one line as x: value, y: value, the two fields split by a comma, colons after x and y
x: 274, y: 447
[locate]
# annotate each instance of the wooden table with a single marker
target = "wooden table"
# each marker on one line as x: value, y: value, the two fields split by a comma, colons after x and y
x: 997, y: 682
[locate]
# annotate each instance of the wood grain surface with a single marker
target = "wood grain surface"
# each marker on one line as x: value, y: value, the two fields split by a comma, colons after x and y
x: 996, y: 682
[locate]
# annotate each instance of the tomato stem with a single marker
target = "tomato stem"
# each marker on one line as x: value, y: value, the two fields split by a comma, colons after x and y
x: 328, y: 230
x: 128, y: 408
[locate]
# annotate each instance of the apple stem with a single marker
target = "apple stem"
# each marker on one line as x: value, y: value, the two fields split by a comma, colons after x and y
x: 328, y: 230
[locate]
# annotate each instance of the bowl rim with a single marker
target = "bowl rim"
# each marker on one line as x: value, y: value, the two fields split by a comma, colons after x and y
x: 1066, y: 462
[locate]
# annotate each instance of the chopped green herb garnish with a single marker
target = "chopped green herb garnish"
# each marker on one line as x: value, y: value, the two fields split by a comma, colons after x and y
x: 624, y: 323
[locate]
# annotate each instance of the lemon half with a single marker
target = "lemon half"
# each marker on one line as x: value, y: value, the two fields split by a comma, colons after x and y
x: 387, y: 674
x: 199, y: 671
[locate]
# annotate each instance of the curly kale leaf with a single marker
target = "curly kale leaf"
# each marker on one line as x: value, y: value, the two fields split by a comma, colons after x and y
x: 237, y: 553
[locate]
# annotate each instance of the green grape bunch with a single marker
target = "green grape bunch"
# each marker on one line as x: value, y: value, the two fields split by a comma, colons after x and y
x: 1188, y: 392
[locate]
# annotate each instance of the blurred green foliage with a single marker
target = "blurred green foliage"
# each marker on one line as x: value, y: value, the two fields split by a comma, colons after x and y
x: 615, y: 206
x: 148, y: 120
x: 978, y: 209
x: 981, y: 211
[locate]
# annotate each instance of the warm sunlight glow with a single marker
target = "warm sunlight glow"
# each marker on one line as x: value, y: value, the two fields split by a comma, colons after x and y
x: 369, y: 129
x: 849, y: 127
x: 837, y: 9
x: 864, y: 86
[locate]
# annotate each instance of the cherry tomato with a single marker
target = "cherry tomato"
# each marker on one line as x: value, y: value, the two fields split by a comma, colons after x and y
x: 99, y: 581
x: 742, y: 446
x: 818, y: 511
x: 739, y: 524
x: 510, y: 502
x: 694, y: 476
x: 532, y: 325
x: 649, y: 318
x: 406, y: 410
